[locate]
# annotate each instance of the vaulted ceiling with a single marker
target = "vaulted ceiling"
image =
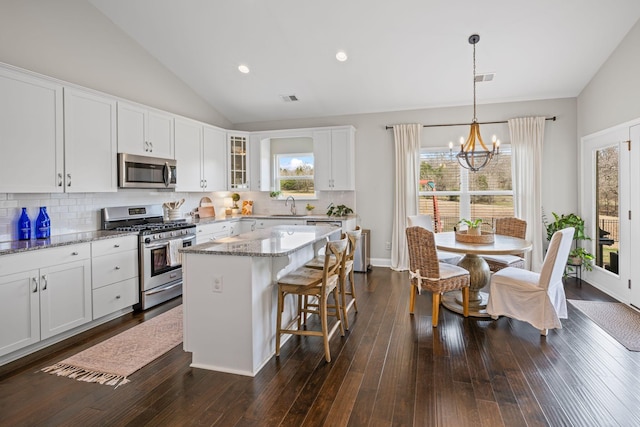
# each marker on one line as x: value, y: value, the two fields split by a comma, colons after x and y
x: 402, y: 55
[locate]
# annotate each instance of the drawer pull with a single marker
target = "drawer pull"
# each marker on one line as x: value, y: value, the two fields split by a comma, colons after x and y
x: 117, y: 267
x: 116, y: 245
x: 117, y: 296
x: 74, y: 253
x: 35, y: 284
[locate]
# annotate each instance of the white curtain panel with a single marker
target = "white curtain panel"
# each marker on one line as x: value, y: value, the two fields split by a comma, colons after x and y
x: 407, y: 150
x: 527, y: 135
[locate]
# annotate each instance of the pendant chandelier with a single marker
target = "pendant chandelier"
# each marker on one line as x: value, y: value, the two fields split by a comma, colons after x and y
x: 469, y: 157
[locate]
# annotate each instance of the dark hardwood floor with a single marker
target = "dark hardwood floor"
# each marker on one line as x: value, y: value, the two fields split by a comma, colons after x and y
x: 391, y: 369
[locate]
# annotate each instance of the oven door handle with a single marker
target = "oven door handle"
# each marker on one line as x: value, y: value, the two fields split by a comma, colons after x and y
x: 166, y: 243
x: 163, y: 289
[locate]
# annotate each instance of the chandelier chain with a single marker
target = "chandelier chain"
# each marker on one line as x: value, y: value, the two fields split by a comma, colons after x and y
x: 475, y: 119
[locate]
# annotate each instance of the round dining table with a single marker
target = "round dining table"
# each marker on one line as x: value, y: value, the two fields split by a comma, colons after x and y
x: 480, y: 274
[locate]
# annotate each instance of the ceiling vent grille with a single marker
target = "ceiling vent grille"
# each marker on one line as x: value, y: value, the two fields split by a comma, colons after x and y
x: 486, y: 77
x: 289, y: 98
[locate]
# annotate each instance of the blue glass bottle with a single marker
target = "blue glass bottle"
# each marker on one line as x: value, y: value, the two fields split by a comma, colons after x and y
x: 43, y: 224
x: 24, y: 226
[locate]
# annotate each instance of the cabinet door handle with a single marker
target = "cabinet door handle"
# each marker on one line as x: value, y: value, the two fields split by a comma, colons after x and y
x: 59, y: 180
x: 151, y: 146
x: 68, y: 180
x: 35, y: 284
x: 117, y: 267
x: 205, y: 183
x: 45, y: 282
x: 116, y: 245
x: 146, y: 146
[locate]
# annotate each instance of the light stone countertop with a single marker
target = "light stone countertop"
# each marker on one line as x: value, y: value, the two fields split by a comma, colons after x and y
x: 16, y: 246
x: 269, y: 242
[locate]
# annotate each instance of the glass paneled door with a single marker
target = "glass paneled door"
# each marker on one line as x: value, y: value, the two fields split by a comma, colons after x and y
x: 605, y: 209
x: 634, y: 235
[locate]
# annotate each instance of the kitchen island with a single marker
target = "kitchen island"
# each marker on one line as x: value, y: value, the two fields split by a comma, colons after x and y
x: 230, y: 294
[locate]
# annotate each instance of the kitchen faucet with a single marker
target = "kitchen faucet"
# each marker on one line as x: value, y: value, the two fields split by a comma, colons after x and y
x: 293, y: 204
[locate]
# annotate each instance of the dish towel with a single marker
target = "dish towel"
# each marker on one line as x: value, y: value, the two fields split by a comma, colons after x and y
x: 174, y: 257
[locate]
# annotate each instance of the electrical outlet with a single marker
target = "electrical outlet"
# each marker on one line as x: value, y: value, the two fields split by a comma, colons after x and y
x: 217, y: 284
x: 387, y: 246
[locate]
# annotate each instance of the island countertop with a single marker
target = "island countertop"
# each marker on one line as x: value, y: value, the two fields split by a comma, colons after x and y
x: 280, y: 240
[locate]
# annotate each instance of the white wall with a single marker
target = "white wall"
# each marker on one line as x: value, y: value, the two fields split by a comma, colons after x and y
x: 612, y: 96
x: 375, y: 154
x: 72, y: 41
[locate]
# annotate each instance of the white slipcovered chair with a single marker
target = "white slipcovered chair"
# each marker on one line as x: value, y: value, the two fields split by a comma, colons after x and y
x: 426, y: 221
x: 536, y: 298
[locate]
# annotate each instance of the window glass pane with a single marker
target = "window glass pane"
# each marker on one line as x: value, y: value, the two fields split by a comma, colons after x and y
x: 495, y: 176
x: 295, y: 174
x: 489, y: 207
x: 439, y: 171
x: 607, y: 185
x: 444, y: 209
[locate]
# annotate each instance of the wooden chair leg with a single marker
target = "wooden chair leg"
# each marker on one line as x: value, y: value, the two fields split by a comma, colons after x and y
x: 352, y: 279
x: 338, y: 315
x: 279, y: 321
x: 544, y: 332
x: 343, y: 305
x: 412, y: 298
x: 323, y: 322
x: 435, y: 309
x: 465, y: 301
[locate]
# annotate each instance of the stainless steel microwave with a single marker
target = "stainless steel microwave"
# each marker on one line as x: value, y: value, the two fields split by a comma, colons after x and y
x: 146, y: 172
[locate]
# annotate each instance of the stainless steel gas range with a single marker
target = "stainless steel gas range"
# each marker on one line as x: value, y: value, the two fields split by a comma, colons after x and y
x: 158, y: 243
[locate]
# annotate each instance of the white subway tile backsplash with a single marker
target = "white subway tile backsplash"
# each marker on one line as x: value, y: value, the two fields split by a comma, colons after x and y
x: 77, y: 212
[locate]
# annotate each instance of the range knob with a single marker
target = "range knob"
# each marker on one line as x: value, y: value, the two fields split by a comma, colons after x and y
x: 147, y: 240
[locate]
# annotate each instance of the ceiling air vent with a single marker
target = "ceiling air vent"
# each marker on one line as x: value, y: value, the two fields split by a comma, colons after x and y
x: 486, y: 77
x: 289, y: 98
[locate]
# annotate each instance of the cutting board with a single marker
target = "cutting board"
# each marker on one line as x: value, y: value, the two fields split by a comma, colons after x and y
x: 206, y: 210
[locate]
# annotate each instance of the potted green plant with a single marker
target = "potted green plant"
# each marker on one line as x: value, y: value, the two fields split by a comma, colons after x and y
x: 340, y: 210
x: 309, y: 208
x: 473, y: 226
x: 275, y: 194
x: 579, y: 256
x: 235, y: 197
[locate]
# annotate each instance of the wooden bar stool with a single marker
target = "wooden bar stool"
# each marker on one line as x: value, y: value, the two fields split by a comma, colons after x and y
x: 308, y: 282
x: 318, y: 263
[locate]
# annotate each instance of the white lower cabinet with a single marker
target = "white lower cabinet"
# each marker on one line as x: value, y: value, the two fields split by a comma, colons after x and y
x: 115, y: 274
x: 42, y: 294
x: 214, y: 231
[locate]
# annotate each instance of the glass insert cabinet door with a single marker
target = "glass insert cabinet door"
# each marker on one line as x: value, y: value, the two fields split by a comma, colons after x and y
x: 238, y: 176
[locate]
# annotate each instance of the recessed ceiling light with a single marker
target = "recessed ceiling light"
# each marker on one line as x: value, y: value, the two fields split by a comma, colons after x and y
x: 341, y: 56
x: 243, y: 69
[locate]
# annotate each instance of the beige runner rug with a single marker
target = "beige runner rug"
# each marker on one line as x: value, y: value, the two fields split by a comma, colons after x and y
x: 617, y: 319
x: 112, y: 361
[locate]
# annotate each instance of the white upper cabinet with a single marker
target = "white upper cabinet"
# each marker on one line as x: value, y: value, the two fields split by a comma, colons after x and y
x: 334, y: 159
x: 260, y: 162
x: 144, y: 131
x: 201, y: 153
x: 31, y: 134
x: 90, y: 154
x: 214, y: 159
x: 188, y: 147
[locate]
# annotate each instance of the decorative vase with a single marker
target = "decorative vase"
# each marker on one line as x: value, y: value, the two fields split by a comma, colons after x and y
x: 43, y: 224
x: 24, y: 226
x: 474, y: 231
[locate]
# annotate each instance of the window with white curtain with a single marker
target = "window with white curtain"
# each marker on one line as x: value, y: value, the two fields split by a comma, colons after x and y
x: 450, y: 192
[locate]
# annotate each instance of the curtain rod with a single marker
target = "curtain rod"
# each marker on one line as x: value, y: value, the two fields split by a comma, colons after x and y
x: 553, y: 119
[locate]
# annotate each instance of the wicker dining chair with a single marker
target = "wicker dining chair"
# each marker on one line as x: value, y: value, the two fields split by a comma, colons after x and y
x: 513, y: 227
x: 427, y: 273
